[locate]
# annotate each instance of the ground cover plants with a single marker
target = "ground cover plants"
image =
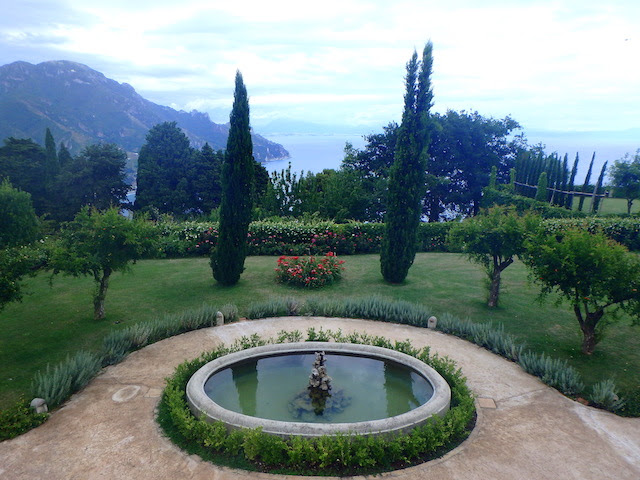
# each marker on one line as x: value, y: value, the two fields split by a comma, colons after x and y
x: 328, y: 455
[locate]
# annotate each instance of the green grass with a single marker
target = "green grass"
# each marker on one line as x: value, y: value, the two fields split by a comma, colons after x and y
x: 54, y: 321
x: 608, y: 205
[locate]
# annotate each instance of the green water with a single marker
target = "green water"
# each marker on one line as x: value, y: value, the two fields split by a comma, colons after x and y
x: 264, y: 388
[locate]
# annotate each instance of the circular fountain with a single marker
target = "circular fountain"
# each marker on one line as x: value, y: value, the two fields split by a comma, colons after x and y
x: 317, y: 388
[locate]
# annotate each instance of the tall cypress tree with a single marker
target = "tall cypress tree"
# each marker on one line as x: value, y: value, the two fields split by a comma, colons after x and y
x: 541, y: 190
x: 586, y: 183
x: 227, y: 260
x: 595, y: 201
x: 407, y: 174
x: 571, y: 185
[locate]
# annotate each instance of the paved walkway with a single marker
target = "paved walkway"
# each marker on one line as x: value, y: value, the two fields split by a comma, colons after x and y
x: 108, y: 431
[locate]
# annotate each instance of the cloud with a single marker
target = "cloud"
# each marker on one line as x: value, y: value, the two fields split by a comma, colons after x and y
x: 551, y: 64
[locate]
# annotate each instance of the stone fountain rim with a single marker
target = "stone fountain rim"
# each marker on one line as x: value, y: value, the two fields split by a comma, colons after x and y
x: 200, y: 404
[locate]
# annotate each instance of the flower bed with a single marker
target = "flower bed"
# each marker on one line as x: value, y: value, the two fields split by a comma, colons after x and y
x: 309, y: 272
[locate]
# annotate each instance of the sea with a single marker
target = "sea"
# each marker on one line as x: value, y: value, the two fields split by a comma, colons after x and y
x: 316, y: 152
x: 312, y: 153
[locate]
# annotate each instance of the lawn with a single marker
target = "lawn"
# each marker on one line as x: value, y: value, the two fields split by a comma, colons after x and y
x: 608, y: 205
x: 53, y: 321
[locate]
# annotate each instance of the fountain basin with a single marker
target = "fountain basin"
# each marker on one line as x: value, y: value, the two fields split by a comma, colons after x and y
x: 201, y: 404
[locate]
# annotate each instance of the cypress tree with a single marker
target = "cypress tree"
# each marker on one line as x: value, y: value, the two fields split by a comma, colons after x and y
x: 541, y: 191
x: 586, y: 182
x: 595, y: 201
x: 52, y: 165
x: 572, y: 179
x: 565, y: 178
x: 227, y: 259
x: 407, y: 174
x: 64, y: 157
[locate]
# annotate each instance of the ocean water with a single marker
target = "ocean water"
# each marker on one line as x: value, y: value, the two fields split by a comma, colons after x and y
x: 312, y: 153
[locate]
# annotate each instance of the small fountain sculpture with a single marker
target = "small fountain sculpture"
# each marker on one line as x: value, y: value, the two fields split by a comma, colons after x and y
x: 319, y: 384
x: 318, y: 398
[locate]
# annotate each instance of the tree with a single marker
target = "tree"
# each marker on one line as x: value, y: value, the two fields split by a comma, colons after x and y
x: 95, y: 178
x: 227, y: 260
x: 205, y: 179
x: 585, y: 186
x: 18, y: 227
x: 163, y: 165
x: 572, y: 179
x: 493, y: 240
x: 595, y: 200
x: 591, y: 271
x: 625, y: 178
x: 18, y: 221
x: 407, y: 174
x: 23, y: 163
x: 541, y: 190
x: 98, y: 244
x: 52, y: 166
x: 64, y: 156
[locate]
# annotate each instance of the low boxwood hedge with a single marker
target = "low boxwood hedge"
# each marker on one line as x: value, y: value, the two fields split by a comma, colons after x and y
x: 327, y: 455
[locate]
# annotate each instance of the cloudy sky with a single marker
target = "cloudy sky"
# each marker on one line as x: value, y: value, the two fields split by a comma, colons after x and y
x: 552, y: 65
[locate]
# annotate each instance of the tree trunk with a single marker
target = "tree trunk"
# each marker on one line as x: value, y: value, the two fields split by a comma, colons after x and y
x: 101, y: 293
x: 494, y: 278
x: 629, y: 203
x: 588, y: 327
x: 494, y: 289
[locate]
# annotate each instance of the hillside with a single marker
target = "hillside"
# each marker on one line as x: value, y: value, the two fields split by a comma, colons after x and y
x: 81, y: 106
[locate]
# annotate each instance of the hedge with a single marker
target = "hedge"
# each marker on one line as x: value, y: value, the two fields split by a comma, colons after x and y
x: 184, y: 239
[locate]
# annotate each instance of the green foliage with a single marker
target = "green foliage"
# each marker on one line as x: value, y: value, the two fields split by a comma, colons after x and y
x: 338, y: 454
x: 493, y: 240
x: 603, y: 395
x: 407, y: 174
x: 18, y: 221
x: 57, y: 383
x: 308, y: 271
x: 483, y: 334
x: 591, y: 271
x: 18, y: 419
x: 94, y: 178
x: 625, y: 178
x: 162, y: 170
x: 625, y: 231
x: 15, y: 264
x: 524, y: 204
x: 552, y: 371
x: 227, y: 260
x: 99, y: 244
x: 23, y: 163
x: 541, y: 189
x: 118, y: 343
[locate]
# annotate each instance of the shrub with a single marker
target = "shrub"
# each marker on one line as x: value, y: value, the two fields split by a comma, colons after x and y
x: 554, y: 372
x: 19, y: 418
x: 55, y: 384
x: 309, y: 271
x: 603, y: 395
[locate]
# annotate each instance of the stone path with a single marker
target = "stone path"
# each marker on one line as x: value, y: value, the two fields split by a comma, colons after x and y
x: 525, y: 430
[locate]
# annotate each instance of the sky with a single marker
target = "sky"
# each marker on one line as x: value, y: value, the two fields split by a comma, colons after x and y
x: 554, y: 66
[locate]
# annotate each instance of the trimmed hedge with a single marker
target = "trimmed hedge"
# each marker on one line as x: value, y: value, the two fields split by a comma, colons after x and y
x: 289, y: 237
x: 327, y: 455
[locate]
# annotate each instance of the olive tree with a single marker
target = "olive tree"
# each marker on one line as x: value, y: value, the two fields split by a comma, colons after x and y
x: 493, y: 240
x: 592, y: 272
x: 98, y: 244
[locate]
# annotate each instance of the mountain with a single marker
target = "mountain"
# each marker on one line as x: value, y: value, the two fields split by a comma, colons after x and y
x: 81, y: 106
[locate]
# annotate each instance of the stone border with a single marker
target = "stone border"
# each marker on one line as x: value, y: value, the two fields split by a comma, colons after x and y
x: 200, y: 403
